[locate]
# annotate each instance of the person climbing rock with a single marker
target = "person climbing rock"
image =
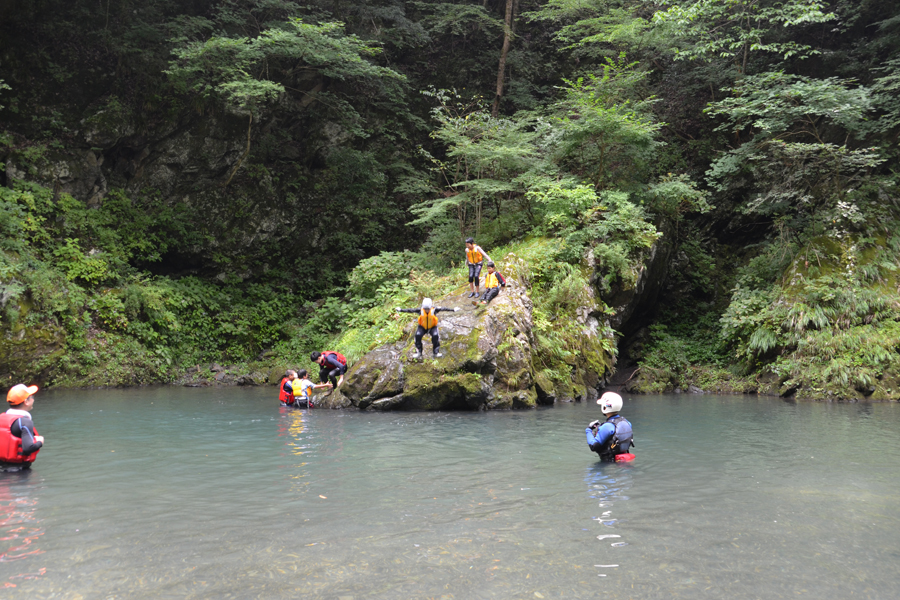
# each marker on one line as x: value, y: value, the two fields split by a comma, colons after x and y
x: 475, y: 257
x: 493, y: 281
x: 19, y: 440
x: 613, y: 437
x: 428, y: 322
x: 331, y: 366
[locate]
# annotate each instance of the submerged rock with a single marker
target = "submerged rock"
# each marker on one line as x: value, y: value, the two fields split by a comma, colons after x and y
x: 487, y: 362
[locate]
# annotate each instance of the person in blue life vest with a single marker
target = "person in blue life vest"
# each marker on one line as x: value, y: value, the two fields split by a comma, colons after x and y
x: 19, y: 440
x: 302, y: 389
x: 332, y: 366
x: 428, y: 323
x: 493, y: 281
x: 614, y: 436
x: 475, y: 257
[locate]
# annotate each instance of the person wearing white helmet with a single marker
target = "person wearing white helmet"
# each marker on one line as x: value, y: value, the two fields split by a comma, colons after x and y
x: 614, y: 436
x: 428, y: 322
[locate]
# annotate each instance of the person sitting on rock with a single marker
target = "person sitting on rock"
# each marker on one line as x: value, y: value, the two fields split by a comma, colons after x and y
x: 493, y: 281
x: 475, y: 257
x: 613, y: 437
x: 428, y: 322
x: 331, y: 366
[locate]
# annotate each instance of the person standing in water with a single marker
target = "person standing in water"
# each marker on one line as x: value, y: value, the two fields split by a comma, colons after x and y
x: 428, y: 323
x: 19, y: 440
x: 286, y: 391
x: 302, y: 389
x: 475, y: 257
x: 614, y: 436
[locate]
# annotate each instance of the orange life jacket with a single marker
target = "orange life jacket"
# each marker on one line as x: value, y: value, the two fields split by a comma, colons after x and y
x: 474, y: 255
x: 491, y: 280
x: 427, y: 319
x: 283, y: 395
x: 10, y: 445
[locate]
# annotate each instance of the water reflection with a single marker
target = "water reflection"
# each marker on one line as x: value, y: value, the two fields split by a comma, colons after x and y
x: 608, y: 483
x: 20, y: 528
x: 292, y: 425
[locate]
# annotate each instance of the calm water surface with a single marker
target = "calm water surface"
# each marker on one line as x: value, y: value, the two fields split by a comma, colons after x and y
x: 185, y: 493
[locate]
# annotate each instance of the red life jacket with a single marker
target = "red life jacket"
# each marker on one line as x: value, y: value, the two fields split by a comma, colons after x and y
x: 283, y: 395
x: 10, y: 445
x: 337, y: 355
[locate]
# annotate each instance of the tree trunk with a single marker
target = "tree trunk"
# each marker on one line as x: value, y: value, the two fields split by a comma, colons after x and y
x: 501, y: 71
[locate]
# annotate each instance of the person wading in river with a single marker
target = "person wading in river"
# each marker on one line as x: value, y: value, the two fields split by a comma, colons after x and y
x: 19, y: 440
x: 613, y: 437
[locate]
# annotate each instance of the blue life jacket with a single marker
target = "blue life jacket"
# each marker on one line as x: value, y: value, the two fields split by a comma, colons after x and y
x: 621, y: 441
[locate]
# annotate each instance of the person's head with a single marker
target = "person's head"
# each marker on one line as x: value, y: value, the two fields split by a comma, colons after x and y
x: 490, y: 266
x: 21, y: 396
x: 301, y: 374
x: 316, y: 357
x: 427, y: 304
x: 290, y: 373
x: 470, y: 243
x: 610, y: 403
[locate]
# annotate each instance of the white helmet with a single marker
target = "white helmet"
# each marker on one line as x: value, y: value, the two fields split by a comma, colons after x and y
x: 610, y: 402
x: 426, y: 303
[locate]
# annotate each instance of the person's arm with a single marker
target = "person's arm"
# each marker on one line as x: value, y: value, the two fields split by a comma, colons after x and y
x: 487, y: 258
x: 438, y: 309
x: 30, y: 442
x: 407, y: 310
x: 604, y: 432
x: 501, y: 278
x: 287, y: 387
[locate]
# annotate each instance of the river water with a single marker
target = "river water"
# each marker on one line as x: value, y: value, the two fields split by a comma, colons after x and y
x: 187, y: 493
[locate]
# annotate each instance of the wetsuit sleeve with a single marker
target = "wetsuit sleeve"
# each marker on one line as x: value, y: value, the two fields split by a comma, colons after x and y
x: 23, y: 427
x: 333, y: 361
x: 287, y: 387
x: 501, y: 278
x: 605, y: 432
x: 438, y: 309
x: 409, y: 310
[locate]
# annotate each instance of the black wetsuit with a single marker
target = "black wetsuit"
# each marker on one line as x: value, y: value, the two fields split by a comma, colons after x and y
x: 332, y: 369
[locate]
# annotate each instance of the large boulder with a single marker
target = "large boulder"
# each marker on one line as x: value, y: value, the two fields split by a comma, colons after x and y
x: 487, y: 362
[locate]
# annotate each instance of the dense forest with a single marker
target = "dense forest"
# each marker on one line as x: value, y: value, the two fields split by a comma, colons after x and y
x: 244, y: 181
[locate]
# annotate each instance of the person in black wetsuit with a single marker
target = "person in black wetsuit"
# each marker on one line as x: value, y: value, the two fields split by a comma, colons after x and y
x: 16, y: 423
x: 493, y: 281
x: 428, y: 323
x: 332, y: 365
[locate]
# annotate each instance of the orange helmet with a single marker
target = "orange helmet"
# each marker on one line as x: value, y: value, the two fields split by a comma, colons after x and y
x: 18, y: 394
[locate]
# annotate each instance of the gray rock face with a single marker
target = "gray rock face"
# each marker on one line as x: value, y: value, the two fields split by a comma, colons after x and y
x: 487, y: 362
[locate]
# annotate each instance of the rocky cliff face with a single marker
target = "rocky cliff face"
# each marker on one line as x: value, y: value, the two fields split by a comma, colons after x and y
x: 487, y: 362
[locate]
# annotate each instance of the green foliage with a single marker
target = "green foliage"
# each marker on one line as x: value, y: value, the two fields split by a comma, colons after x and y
x: 377, y: 271
x: 735, y: 28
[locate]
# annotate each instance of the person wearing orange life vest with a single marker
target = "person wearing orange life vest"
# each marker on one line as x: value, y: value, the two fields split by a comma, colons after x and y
x: 286, y: 390
x: 302, y: 389
x: 19, y: 440
x: 331, y: 366
x: 428, y: 322
x: 492, y: 283
x: 475, y: 257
